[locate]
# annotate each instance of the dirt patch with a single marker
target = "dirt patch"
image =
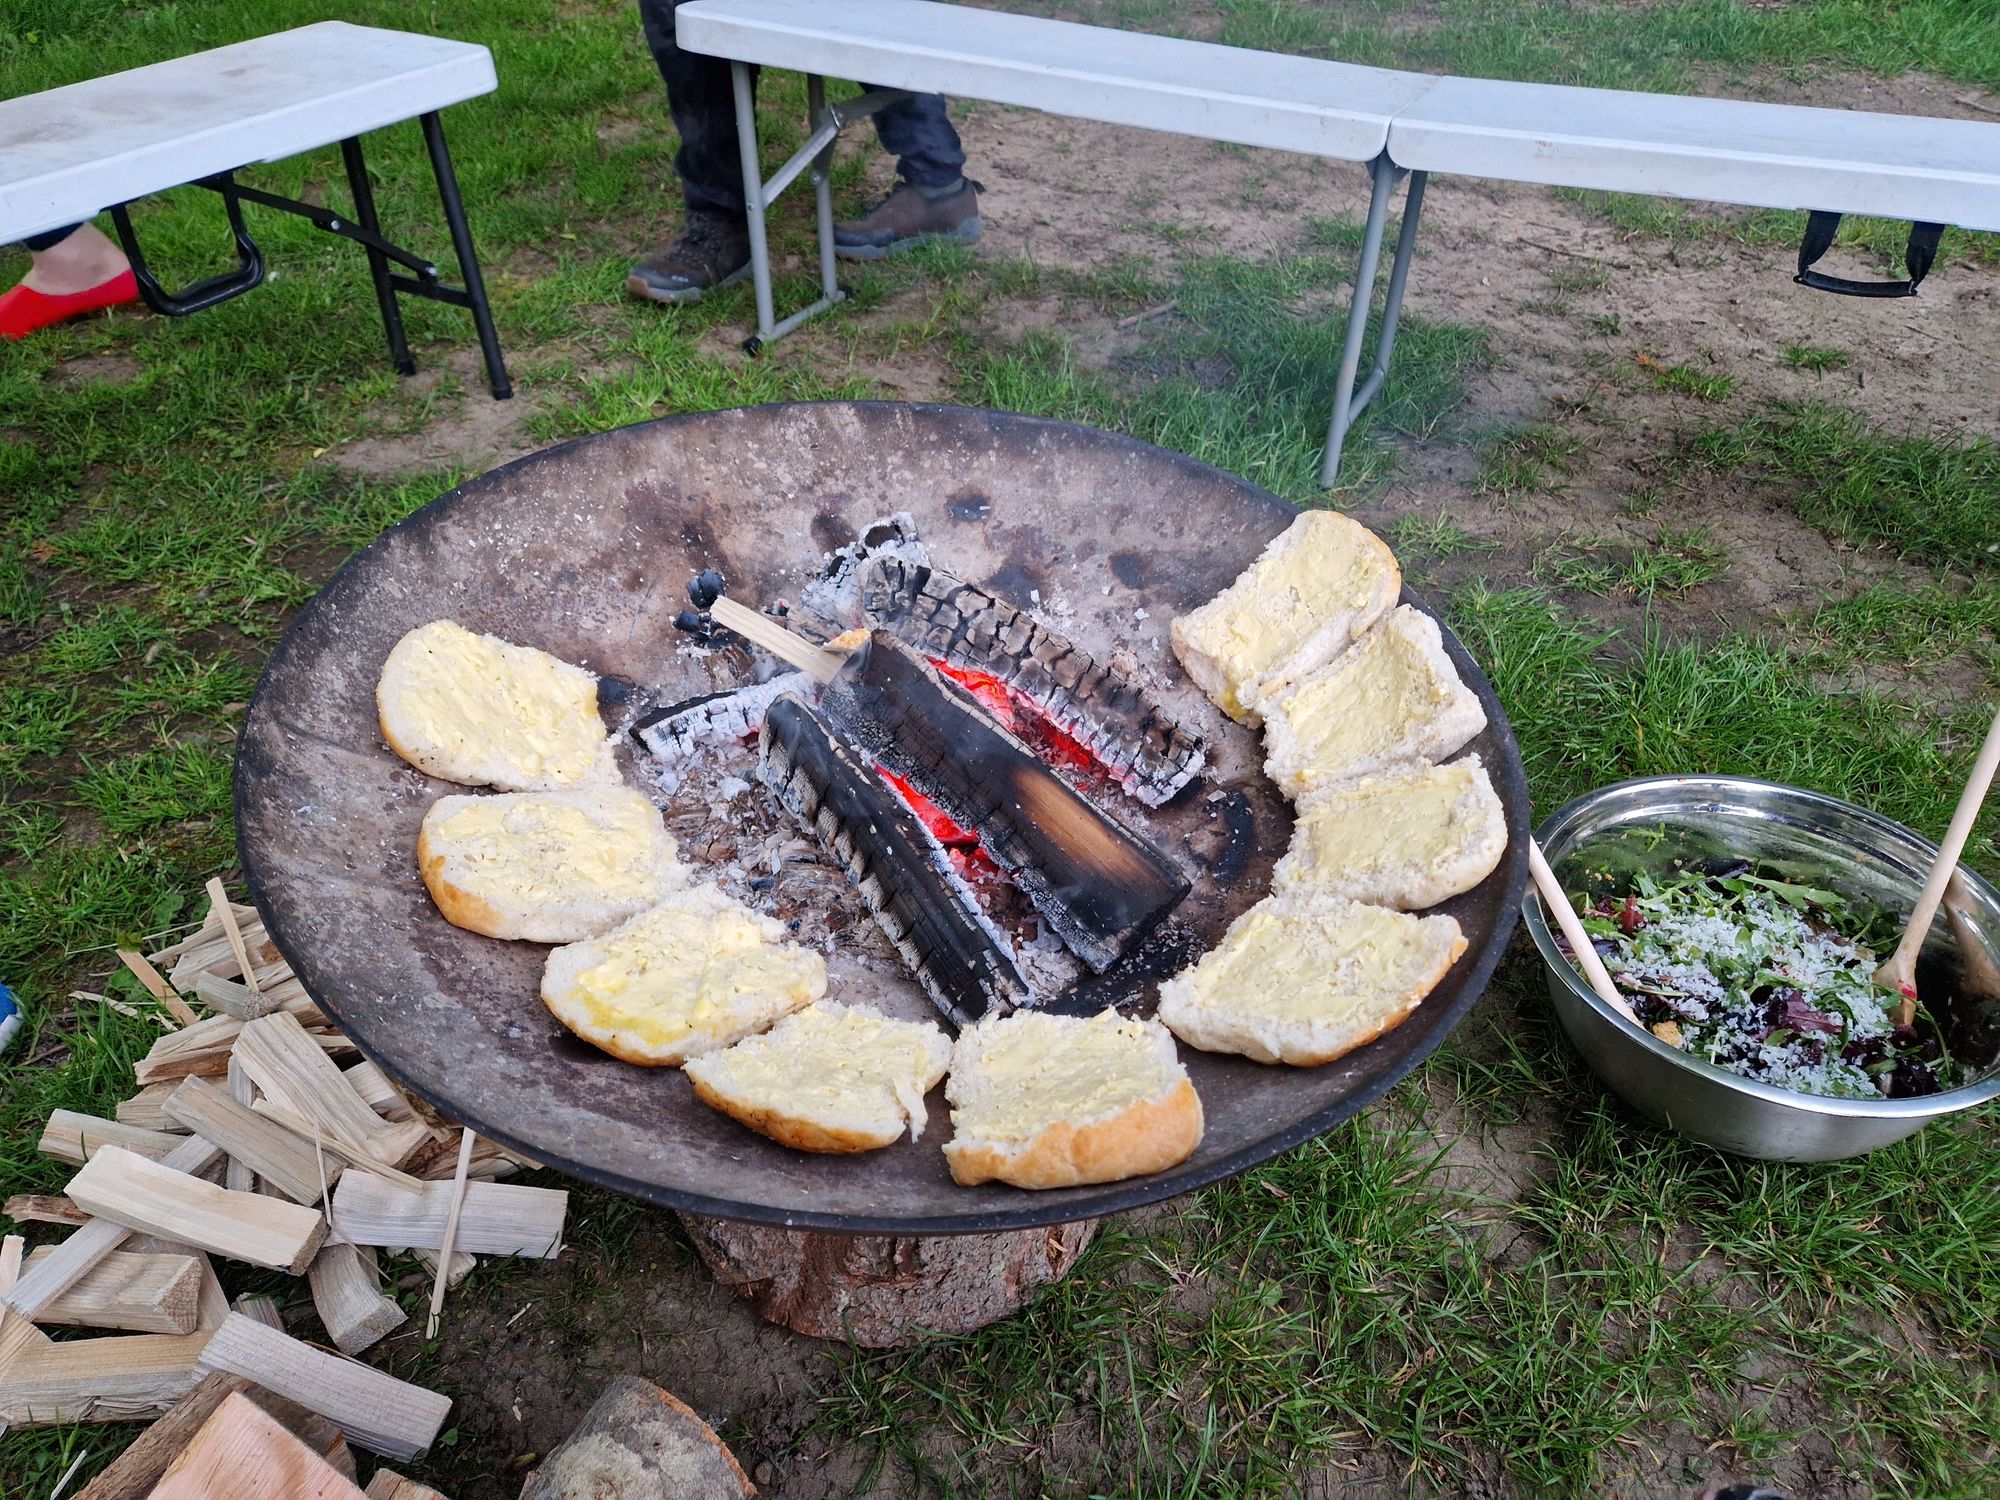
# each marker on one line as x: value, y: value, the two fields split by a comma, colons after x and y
x: 97, y: 369
x: 469, y: 431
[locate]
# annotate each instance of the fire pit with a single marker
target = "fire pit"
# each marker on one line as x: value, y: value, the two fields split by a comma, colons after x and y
x: 584, y: 550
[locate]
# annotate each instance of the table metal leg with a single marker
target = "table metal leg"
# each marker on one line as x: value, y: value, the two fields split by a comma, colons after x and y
x: 753, y: 201
x: 1384, y: 173
x: 378, y: 263
x: 1392, y: 306
x: 468, y: 259
x: 829, y: 282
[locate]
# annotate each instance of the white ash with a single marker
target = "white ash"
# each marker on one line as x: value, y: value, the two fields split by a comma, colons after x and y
x: 834, y: 597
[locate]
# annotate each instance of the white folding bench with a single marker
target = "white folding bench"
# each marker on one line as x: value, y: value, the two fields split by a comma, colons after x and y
x: 70, y: 153
x: 1826, y: 162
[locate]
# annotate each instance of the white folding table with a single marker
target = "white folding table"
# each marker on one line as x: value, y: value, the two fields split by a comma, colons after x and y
x: 1827, y: 162
x: 70, y: 153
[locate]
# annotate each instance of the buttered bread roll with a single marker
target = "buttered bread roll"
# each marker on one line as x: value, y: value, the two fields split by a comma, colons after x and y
x: 830, y: 1078
x: 1393, y: 698
x: 1409, y: 838
x: 697, y: 972
x: 1044, y: 1101
x: 547, y: 867
x: 479, y: 711
x: 1318, y: 586
x: 1306, y: 977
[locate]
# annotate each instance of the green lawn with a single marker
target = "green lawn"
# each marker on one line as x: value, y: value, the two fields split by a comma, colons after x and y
x: 1630, y: 1306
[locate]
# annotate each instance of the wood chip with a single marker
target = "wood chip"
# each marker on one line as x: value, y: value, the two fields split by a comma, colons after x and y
x: 241, y: 1453
x: 75, y: 1138
x: 495, y: 1218
x: 43, y: 1208
x: 347, y: 1291
x: 129, y: 1291
x: 156, y: 1199
x: 377, y: 1411
x: 281, y: 1157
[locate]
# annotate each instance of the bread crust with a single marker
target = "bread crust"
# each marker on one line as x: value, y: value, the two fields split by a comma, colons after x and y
x: 1146, y: 1136
x: 797, y: 1131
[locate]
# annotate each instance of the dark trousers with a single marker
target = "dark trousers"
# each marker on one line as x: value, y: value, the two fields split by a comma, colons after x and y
x: 916, y: 131
x: 48, y: 239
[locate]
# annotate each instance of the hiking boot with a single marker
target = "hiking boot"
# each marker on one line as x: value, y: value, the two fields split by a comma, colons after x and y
x: 713, y: 251
x: 909, y: 216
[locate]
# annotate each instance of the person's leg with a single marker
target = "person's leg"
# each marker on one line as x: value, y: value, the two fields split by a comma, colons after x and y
x: 934, y: 199
x: 714, y: 243
x: 71, y: 271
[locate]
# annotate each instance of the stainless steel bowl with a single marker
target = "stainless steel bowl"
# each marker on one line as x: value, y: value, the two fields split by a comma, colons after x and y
x: 1600, y: 840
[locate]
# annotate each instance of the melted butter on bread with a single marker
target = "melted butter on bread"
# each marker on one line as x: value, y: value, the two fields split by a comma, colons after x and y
x: 479, y: 710
x: 1407, y: 838
x: 692, y: 975
x: 538, y: 845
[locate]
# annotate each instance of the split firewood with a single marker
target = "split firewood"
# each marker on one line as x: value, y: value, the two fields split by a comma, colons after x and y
x: 347, y: 1291
x: 242, y: 1453
x: 224, y: 915
x: 229, y: 998
x: 42, y: 1208
x: 494, y: 1219
x: 203, y: 1050
x: 143, y: 1110
x: 20, y: 1339
x: 389, y: 1485
x: 297, y: 1077
x: 379, y: 1090
x: 281, y: 1157
x: 156, y: 986
x: 96, y: 1239
x: 460, y: 1267
x: 376, y: 1411
x: 155, y: 1199
x: 439, y: 1159
x: 132, y: 1475
x: 333, y: 1148
x: 123, y: 1379
x: 129, y: 1291
x: 637, y: 1443
x: 238, y: 1177
x: 75, y: 1138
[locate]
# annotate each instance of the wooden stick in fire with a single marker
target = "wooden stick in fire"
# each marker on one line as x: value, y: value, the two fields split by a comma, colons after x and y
x: 1554, y: 898
x: 816, y: 662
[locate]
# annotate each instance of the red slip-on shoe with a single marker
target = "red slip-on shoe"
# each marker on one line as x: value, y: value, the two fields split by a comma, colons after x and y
x: 24, y: 309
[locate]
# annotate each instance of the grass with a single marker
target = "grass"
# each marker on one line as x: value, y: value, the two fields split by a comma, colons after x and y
x: 1494, y: 1281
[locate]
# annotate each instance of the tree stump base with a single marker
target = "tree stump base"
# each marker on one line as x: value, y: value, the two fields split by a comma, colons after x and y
x: 880, y: 1292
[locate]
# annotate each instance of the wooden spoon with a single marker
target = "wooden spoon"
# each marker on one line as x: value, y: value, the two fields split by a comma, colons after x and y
x: 1558, y: 904
x: 1900, y: 972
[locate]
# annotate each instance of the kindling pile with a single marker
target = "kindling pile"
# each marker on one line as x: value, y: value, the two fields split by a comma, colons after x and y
x: 259, y: 1135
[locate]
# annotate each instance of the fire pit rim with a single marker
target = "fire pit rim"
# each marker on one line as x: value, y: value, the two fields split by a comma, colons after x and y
x: 1031, y: 1210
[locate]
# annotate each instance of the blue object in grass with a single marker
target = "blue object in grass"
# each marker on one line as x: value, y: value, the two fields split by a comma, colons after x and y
x: 10, y: 1017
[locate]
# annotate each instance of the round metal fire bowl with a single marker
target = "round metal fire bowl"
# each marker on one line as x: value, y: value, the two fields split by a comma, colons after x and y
x: 584, y: 550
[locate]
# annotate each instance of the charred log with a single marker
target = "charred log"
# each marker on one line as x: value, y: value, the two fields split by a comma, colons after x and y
x: 677, y: 734
x: 1100, y: 887
x: 905, y: 876
x: 1151, y: 753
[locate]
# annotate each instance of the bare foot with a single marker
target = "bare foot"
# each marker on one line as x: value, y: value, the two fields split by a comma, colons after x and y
x: 84, y: 259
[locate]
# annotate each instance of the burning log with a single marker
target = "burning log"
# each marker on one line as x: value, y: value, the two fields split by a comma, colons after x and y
x: 902, y: 872
x: 1149, y: 751
x: 1101, y: 888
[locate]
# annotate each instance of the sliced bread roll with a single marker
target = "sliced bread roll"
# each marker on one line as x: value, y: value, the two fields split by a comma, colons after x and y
x: 1407, y: 838
x: 1394, y: 698
x: 1318, y: 585
x: 547, y: 867
x: 476, y: 710
x: 1045, y: 1101
x: 832, y: 1078
x: 1306, y: 977
x: 697, y: 972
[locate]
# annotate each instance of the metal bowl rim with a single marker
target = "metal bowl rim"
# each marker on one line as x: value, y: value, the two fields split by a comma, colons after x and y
x: 1556, y: 825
